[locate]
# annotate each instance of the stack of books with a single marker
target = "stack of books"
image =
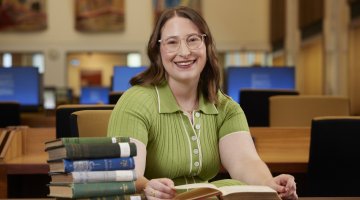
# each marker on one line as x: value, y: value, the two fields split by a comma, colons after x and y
x: 92, y: 168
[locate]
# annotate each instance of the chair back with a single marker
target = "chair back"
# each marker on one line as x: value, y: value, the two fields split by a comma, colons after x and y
x: 298, y: 111
x: 9, y: 114
x: 114, y: 96
x: 90, y: 123
x: 333, y: 168
x: 255, y: 103
x: 63, y: 113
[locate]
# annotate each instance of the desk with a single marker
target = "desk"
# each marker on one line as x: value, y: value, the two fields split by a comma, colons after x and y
x: 285, y: 150
x: 39, y: 119
x: 329, y: 198
x: 25, y: 154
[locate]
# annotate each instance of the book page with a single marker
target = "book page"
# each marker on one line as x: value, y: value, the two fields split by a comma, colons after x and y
x: 198, y: 194
x: 246, y: 188
x: 195, y: 185
x: 196, y: 191
x: 199, y: 191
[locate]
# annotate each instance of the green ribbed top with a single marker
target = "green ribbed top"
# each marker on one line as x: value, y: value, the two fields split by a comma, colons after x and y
x: 176, y: 148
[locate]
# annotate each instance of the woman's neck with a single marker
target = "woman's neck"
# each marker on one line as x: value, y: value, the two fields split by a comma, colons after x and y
x: 186, y: 95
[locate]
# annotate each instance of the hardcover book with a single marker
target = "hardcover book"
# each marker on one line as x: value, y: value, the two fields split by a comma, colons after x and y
x: 199, y: 191
x: 102, y: 164
x: 95, y: 150
x: 93, y: 176
x: 118, y: 197
x: 90, y: 190
x: 84, y: 140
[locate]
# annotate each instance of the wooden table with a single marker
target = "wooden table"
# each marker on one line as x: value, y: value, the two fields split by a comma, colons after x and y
x: 24, y: 154
x: 285, y: 150
x: 329, y: 198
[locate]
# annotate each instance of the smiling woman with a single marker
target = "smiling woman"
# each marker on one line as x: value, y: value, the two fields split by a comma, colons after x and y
x: 183, y: 125
x: 183, y: 65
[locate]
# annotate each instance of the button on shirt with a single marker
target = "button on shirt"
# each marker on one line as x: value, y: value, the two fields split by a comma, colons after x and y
x: 197, y: 114
x: 176, y: 148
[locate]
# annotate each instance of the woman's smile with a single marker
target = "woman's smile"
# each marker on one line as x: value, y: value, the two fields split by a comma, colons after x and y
x: 185, y: 64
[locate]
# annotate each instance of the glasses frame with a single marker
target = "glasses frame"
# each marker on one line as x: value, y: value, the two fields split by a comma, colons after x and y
x: 202, y: 36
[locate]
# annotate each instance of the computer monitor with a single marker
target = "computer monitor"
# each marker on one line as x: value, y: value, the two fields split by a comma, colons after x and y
x: 94, y: 95
x: 122, y: 76
x: 259, y: 78
x: 21, y: 84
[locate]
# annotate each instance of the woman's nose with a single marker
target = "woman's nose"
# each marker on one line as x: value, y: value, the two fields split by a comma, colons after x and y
x: 184, y: 49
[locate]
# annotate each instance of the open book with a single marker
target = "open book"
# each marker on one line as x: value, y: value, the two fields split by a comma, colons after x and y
x: 234, y: 192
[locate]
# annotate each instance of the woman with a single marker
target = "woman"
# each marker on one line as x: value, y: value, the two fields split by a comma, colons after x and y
x: 184, y: 127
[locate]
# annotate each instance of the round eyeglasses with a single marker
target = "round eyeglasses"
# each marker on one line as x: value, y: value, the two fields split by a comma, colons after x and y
x: 192, y: 41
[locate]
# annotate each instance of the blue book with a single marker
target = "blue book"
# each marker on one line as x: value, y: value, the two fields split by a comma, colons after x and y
x: 103, y: 164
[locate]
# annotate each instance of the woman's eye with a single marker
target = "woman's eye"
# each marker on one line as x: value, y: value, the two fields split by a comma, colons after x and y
x: 171, y: 42
x: 193, y: 39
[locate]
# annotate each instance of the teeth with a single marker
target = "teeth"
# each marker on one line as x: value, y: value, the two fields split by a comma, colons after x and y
x: 185, y: 63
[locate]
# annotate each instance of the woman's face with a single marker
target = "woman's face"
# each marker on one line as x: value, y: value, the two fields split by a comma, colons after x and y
x: 182, y: 64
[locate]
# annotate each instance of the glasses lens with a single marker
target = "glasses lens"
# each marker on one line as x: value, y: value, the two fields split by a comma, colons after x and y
x: 172, y: 44
x: 194, y: 41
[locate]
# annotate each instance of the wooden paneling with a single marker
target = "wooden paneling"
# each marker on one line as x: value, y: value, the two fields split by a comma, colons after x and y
x: 277, y: 23
x: 354, y: 69
x: 311, y: 16
x: 310, y: 69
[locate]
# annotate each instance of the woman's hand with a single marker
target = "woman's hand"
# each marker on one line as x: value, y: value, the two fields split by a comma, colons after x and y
x: 285, y: 185
x: 160, y: 188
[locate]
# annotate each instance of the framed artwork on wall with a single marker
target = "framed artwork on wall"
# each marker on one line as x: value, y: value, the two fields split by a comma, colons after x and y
x: 161, y: 5
x: 23, y: 15
x: 90, y: 77
x: 99, y: 15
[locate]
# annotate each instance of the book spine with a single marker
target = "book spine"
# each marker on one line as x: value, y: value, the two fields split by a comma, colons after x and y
x: 79, y: 151
x: 87, y: 190
x: 89, y: 140
x: 103, y: 176
x: 106, y: 164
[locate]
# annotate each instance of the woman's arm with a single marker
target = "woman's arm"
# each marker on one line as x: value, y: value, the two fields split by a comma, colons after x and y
x: 239, y: 157
x: 140, y: 162
x: 161, y: 188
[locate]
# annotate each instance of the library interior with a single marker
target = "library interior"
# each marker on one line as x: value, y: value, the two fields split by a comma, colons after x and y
x: 291, y: 65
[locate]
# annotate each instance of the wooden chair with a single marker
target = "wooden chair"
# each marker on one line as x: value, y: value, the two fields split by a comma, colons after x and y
x: 255, y: 103
x: 333, y: 168
x: 89, y: 123
x: 299, y: 110
x: 63, y: 113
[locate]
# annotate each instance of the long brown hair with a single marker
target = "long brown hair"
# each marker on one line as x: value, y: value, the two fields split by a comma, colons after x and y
x: 209, y: 83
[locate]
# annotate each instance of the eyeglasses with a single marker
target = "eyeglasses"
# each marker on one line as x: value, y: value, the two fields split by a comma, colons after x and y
x: 192, y: 41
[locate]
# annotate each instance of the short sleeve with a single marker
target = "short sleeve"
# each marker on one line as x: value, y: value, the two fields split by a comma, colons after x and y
x: 231, y: 117
x: 132, y: 114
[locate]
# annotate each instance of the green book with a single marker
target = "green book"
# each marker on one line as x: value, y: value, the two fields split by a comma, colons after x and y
x: 92, y: 151
x: 92, y: 190
x: 119, y: 197
x: 84, y: 140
